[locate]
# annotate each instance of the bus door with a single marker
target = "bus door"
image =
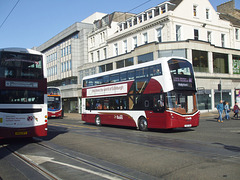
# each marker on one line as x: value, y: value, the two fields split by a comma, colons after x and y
x: 155, y: 103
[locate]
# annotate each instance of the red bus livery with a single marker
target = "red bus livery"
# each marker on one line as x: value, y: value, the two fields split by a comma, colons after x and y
x: 54, y: 102
x: 23, y: 93
x: 157, y: 94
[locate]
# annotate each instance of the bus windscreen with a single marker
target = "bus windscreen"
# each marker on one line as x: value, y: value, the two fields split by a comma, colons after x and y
x: 182, y: 74
x: 18, y: 65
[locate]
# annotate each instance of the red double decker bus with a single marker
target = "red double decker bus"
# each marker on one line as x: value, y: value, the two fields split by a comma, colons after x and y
x: 23, y: 93
x: 54, y: 102
x: 157, y: 94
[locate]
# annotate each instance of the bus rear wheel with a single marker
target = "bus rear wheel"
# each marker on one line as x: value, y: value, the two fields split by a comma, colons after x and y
x: 98, y: 121
x: 142, y: 124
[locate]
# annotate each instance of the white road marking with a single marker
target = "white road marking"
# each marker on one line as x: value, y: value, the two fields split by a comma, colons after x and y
x: 41, y: 159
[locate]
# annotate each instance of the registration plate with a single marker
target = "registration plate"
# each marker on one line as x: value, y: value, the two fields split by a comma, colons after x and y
x: 187, y: 125
x: 21, y: 133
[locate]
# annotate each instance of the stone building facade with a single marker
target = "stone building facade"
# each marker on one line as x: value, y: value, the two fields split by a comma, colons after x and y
x: 186, y: 28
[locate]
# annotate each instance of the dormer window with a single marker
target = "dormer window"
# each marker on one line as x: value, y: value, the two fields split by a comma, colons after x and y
x: 156, y: 11
x: 135, y: 21
x: 207, y: 14
x: 163, y: 10
x: 195, y: 10
x: 237, y: 33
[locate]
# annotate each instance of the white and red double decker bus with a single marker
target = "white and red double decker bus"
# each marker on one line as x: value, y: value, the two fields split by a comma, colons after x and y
x: 157, y: 94
x: 23, y: 93
x: 54, y: 102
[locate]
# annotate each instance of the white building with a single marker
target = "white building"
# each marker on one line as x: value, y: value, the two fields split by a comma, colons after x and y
x: 187, y: 28
x: 65, y: 52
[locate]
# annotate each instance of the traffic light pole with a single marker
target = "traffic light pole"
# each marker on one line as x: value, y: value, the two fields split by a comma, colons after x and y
x: 220, y: 88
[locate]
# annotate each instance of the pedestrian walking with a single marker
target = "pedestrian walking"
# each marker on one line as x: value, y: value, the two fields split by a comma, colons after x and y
x: 236, y: 110
x: 227, y: 110
x: 220, y: 111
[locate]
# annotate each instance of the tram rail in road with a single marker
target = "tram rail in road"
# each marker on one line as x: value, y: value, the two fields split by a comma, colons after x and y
x: 43, y: 166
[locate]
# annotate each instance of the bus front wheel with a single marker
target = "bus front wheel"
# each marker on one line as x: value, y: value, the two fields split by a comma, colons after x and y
x: 142, y: 124
x: 98, y: 121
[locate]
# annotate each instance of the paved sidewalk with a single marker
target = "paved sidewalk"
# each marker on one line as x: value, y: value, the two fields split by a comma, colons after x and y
x: 75, y: 116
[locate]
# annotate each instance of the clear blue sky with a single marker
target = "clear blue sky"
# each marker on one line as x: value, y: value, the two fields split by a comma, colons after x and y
x: 33, y: 22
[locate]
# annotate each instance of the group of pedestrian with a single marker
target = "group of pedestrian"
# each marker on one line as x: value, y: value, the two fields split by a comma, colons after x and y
x: 225, y: 108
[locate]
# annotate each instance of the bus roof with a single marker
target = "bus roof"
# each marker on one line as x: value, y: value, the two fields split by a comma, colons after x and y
x: 21, y: 50
x: 149, y: 63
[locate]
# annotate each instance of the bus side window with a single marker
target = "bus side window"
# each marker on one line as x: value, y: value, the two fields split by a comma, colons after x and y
x: 114, y: 78
x: 85, y: 83
x: 130, y: 102
x: 158, y: 103
x: 106, y: 79
x: 90, y: 82
x: 131, y: 75
x: 89, y: 104
x: 146, y: 103
x: 98, y: 81
x: 123, y: 76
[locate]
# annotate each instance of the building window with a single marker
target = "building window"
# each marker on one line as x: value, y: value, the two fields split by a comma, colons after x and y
x: 200, y: 61
x: 98, y: 55
x: 204, y: 99
x: 178, y: 33
x: 120, y: 64
x: 159, y: 35
x: 145, y: 58
x: 109, y: 67
x: 223, y: 40
x: 236, y: 64
x: 92, y: 57
x: 67, y: 66
x: 237, y: 34
x: 220, y: 63
x: 226, y: 96
x: 145, y: 38
x: 172, y: 52
x: 105, y: 53
x: 124, y: 63
x: 135, y: 41
x: 145, y: 17
x: 195, y: 10
x: 209, y: 36
x: 156, y: 11
x: 102, y: 68
x: 130, y: 23
x: 128, y: 62
x: 196, y: 34
x: 207, y: 13
x: 125, y: 25
x: 125, y: 46
x: 140, y: 19
x: 120, y: 27
x: 106, y: 67
x: 163, y: 9
x: 116, y: 49
x: 150, y: 15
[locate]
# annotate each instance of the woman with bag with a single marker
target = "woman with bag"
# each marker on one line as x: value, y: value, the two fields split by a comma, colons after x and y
x: 235, y: 110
